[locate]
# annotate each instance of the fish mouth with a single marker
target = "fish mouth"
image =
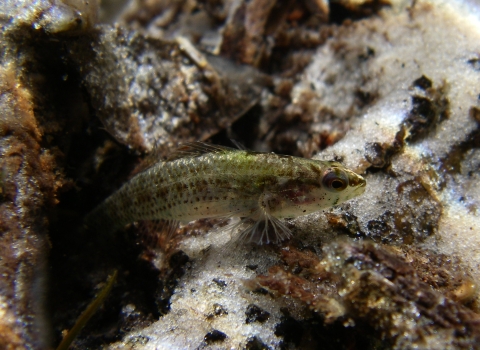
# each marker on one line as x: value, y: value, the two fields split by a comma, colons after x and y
x: 355, y: 180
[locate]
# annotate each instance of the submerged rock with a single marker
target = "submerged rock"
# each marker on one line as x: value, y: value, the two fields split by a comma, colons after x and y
x: 50, y: 16
x: 152, y: 93
x: 402, y: 89
x: 370, y: 284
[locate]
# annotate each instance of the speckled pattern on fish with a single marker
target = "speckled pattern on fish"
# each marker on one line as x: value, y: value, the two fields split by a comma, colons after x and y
x: 206, y: 181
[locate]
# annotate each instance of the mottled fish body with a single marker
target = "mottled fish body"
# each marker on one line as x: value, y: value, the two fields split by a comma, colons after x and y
x: 206, y: 181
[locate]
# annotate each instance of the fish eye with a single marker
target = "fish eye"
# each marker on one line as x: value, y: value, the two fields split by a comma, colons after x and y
x: 335, y: 180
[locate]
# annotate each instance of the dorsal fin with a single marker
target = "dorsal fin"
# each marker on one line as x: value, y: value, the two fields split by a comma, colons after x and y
x: 196, y: 149
x: 238, y: 145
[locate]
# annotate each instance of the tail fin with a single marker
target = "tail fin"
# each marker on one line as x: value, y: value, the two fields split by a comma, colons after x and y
x: 103, y: 219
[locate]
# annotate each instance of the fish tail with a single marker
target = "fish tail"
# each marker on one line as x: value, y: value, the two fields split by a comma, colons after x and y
x: 104, y: 218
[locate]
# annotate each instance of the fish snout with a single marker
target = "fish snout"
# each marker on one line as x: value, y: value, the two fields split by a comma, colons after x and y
x: 356, y: 181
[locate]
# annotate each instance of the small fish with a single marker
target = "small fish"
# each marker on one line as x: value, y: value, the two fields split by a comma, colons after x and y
x: 208, y: 181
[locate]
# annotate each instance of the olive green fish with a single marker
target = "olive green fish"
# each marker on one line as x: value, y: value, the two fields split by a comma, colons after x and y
x: 208, y: 181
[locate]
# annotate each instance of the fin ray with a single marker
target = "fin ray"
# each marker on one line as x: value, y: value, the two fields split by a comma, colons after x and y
x: 239, y: 145
x: 196, y: 149
x: 172, y: 226
x: 257, y: 228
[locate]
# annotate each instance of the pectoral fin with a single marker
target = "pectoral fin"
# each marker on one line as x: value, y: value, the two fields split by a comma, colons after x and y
x: 262, y: 228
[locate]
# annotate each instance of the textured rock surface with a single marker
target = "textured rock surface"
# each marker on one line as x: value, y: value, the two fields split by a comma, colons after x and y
x: 50, y: 16
x: 390, y: 88
x: 26, y: 184
x: 151, y: 92
x: 406, y: 88
x: 29, y: 177
x: 373, y: 285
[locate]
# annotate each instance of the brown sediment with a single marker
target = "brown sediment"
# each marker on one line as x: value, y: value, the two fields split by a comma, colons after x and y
x: 406, y: 298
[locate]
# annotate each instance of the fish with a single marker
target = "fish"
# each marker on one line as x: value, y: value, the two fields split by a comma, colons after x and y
x: 201, y: 180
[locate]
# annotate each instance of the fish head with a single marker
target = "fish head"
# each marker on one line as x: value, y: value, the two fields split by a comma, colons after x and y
x: 315, y: 186
x: 341, y: 182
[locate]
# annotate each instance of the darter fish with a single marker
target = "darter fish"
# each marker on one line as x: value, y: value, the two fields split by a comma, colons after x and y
x: 208, y: 181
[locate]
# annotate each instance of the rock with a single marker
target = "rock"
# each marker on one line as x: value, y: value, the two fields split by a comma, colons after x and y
x: 373, y: 284
x: 30, y: 178
x: 28, y: 187
x: 52, y: 17
x: 401, y: 90
x: 151, y: 93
